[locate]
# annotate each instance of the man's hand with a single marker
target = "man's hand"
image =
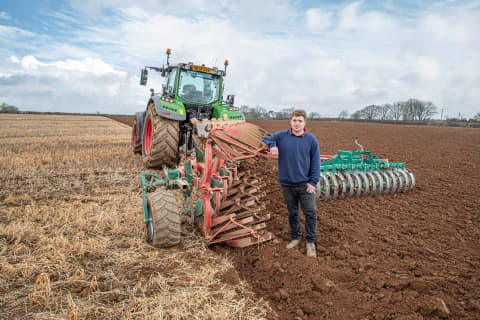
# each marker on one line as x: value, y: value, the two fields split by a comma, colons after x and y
x: 274, y: 151
x: 310, y: 188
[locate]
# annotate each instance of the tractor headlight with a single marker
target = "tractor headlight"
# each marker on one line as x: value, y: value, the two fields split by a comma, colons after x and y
x: 233, y: 109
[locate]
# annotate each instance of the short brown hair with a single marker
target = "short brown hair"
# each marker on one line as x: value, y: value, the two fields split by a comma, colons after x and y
x: 299, y: 113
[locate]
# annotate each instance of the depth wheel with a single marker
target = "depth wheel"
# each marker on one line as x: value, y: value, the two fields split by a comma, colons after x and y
x: 164, y: 225
x: 160, y: 140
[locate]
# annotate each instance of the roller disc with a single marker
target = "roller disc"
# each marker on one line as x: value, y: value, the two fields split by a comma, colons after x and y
x: 399, y: 180
x: 342, y: 185
x: 324, y: 187
x: 365, y: 184
x: 357, y: 184
x: 350, y: 188
x: 393, y: 180
x: 386, y: 180
x: 333, y: 186
x: 372, y: 182
x: 406, y: 181
x: 379, y: 178
x: 412, y: 180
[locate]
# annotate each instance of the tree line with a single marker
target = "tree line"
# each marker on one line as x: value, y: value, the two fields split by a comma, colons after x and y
x: 5, y: 108
x: 260, y: 113
x: 410, y: 110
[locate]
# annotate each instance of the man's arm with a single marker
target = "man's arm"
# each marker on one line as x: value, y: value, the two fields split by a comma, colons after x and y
x: 314, y: 164
x: 271, y: 142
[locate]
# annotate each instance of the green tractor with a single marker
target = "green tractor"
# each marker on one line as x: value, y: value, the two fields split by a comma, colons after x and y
x: 189, y: 92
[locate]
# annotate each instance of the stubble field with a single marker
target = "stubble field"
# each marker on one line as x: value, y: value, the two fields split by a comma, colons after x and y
x: 72, y: 242
x: 72, y: 238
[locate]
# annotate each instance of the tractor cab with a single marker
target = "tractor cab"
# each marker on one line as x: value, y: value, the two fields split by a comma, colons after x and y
x: 191, y: 84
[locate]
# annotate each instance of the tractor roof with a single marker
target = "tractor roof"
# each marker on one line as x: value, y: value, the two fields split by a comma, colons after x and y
x: 202, y: 68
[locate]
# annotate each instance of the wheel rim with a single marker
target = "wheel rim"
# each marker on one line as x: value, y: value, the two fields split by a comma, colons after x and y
x: 148, y: 136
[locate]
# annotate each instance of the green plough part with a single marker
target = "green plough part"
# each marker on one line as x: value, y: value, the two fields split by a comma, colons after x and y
x: 359, y: 173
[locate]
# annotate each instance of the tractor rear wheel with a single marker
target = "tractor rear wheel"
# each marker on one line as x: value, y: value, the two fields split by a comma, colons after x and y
x: 160, y: 140
x: 136, y: 138
x: 164, y: 226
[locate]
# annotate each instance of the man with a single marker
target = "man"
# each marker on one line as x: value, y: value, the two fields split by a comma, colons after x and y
x: 298, y: 173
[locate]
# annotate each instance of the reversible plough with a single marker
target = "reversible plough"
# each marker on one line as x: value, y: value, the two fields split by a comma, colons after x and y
x: 228, y: 207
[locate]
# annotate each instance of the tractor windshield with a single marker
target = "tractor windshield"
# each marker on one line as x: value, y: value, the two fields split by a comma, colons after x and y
x: 198, y: 87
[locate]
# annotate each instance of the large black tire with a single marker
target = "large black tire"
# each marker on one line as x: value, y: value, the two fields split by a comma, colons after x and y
x: 164, y: 227
x: 136, y: 138
x: 159, y: 140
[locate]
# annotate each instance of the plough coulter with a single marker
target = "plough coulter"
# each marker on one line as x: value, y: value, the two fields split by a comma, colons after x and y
x: 360, y: 173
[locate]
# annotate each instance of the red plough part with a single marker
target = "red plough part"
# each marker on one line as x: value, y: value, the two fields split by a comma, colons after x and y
x: 238, y: 219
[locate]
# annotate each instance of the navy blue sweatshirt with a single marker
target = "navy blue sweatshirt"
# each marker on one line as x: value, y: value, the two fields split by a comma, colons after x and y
x: 298, y: 158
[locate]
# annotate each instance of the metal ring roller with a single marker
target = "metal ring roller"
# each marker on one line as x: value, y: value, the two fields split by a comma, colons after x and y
x: 379, y: 182
x: 372, y: 182
x: 342, y: 185
x: 399, y: 180
x: 406, y: 181
x: 333, y: 186
x: 365, y: 185
x: 386, y: 179
x: 393, y: 179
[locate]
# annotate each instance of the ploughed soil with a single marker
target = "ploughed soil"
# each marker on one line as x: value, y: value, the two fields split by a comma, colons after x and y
x: 400, y: 256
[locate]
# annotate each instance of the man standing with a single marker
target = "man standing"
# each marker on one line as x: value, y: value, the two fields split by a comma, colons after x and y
x: 298, y: 173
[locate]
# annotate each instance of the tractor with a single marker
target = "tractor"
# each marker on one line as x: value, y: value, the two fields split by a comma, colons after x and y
x: 190, y: 92
x: 199, y: 142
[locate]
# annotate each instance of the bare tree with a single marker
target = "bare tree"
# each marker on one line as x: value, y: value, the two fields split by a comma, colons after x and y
x: 357, y: 115
x: 370, y: 112
x: 343, y: 114
x: 384, y: 111
x: 429, y: 110
x: 314, y: 116
x: 396, y: 111
x: 477, y: 117
x: 5, y: 108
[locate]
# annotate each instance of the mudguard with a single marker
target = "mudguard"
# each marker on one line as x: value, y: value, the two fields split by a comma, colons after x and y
x: 165, y: 113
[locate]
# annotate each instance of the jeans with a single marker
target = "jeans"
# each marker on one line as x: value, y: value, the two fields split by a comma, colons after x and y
x: 294, y: 195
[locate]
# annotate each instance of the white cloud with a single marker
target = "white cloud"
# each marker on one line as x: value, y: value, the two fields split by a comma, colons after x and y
x: 427, y: 68
x: 8, y: 32
x: 87, y: 85
x: 4, y: 16
x: 318, y: 20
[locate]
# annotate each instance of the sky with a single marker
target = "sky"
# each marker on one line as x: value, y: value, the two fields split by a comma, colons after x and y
x: 321, y: 56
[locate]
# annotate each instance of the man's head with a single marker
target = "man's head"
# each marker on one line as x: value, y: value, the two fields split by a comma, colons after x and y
x: 298, y: 119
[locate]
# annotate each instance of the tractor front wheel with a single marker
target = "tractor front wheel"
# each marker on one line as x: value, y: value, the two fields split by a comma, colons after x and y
x: 164, y: 225
x: 160, y: 140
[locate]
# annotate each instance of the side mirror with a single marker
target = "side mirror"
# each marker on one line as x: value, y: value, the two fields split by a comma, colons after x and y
x: 143, y: 77
x: 230, y: 99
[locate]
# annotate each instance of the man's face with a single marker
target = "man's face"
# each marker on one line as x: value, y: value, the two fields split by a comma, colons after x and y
x: 297, y: 124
